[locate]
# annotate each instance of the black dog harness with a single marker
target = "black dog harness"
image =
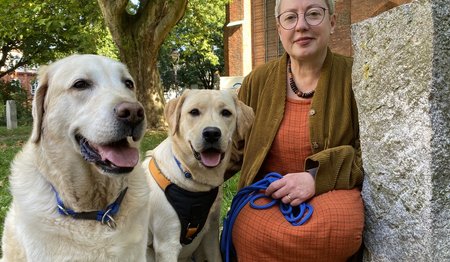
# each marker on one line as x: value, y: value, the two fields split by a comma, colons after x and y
x: 192, y: 207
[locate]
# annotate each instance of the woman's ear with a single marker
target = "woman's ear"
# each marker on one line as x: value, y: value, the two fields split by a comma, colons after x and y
x: 332, y: 23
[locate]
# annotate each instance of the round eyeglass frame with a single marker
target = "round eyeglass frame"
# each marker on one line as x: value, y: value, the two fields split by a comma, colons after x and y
x: 304, y: 17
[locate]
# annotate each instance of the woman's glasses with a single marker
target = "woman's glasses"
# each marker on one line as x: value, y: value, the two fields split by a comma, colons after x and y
x: 313, y: 16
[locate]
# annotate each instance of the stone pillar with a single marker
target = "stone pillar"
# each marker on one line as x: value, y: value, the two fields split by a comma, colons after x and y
x: 11, y: 114
x: 401, y: 80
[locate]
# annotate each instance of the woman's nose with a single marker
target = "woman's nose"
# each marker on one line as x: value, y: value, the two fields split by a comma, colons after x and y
x: 301, y: 23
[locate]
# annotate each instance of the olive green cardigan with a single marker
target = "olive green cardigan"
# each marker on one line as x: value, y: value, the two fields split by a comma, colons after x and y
x: 333, y: 122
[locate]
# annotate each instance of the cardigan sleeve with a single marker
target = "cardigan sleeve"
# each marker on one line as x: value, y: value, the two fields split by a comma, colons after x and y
x: 342, y: 166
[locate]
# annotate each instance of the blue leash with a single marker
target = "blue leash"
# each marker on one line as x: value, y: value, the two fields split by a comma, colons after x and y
x: 297, y: 216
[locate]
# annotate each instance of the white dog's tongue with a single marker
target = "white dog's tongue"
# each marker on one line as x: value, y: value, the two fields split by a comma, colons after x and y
x: 121, y: 156
x: 210, y: 159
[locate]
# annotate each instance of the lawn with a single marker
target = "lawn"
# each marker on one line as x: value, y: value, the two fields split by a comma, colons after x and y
x: 11, y: 142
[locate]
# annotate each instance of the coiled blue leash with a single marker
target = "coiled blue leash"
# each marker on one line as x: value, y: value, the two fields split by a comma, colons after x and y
x: 297, y: 215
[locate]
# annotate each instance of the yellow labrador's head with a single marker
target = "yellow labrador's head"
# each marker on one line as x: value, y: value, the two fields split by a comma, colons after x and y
x: 85, y: 106
x: 202, y: 124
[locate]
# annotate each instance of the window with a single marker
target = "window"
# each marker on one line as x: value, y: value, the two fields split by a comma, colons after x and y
x: 273, y: 46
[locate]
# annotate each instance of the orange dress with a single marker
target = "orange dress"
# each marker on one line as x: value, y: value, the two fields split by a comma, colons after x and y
x: 334, y: 231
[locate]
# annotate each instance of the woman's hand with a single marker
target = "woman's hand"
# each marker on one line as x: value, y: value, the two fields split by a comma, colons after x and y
x: 293, y: 188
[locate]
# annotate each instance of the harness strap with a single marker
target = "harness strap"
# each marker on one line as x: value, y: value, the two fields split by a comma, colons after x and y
x: 156, y: 173
x: 192, y: 208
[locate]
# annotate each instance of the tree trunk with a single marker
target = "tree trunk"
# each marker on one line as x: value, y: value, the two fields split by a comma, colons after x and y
x: 138, y: 38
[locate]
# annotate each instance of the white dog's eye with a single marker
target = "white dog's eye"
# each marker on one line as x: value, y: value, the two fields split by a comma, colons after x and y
x: 194, y: 112
x: 82, y: 84
x: 226, y: 113
x: 129, y: 84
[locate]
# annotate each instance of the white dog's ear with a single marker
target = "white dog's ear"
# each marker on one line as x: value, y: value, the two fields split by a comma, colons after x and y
x: 38, y: 103
x: 245, y: 117
x: 172, y: 112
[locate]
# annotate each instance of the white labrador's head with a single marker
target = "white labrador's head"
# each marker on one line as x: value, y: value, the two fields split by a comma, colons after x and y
x: 86, y: 106
x: 202, y: 124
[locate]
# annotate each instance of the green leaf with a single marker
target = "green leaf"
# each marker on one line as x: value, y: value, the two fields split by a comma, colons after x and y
x: 199, y: 38
x: 48, y: 29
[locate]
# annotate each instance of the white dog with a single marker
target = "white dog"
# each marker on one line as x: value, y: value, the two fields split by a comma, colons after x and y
x: 77, y: 192
x: 187, y: 170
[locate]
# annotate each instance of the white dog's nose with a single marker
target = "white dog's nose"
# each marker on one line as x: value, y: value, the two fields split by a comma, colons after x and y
x: 130, y: 113
x: 211, y: 134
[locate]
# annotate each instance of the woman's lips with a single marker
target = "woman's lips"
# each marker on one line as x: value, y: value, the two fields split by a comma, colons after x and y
x: 303, y: 41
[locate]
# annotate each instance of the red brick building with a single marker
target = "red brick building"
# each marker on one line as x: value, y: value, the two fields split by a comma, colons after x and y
x: 251, y: 38
x: 27, y: 79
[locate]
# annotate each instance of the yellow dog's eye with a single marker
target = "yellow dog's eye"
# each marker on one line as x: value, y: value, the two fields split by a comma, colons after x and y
x: 81, y: 84
x: 226, y: 113
x: 194, y: 112
x: 129, y: 84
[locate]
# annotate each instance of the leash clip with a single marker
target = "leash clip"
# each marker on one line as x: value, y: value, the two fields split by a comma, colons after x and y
x: 109, y: 220
x: 62, y: 209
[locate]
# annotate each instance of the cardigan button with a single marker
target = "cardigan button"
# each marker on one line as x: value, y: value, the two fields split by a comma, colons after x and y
x: 312, y: 112
x: 315, y: 145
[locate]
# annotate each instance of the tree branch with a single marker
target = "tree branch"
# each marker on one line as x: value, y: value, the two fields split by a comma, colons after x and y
x: 114, y: 13
x: 12, y: 69
x: 113, y: 7
x: 167, y: 23
x: 6, y: 49
x: 166, y: 15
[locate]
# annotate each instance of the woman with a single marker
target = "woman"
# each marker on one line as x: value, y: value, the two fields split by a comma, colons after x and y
x: 306, y: 128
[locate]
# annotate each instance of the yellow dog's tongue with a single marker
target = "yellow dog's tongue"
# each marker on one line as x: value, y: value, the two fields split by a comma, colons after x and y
x: 121, y: 156
x: 210, y: 159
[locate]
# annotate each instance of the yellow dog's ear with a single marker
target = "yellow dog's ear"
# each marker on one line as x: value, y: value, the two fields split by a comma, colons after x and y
x: 38, y: 103
x: 244, y: 121
x: 245, y: 118
x: 172, y: 112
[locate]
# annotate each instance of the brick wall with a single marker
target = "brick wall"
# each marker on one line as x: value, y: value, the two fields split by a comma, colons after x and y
x: 369, y: 8
x: 265, y: 41
x: 233, y: 51
x: 340, y: 41
x: 258, y: 33
x: 233, y: 37
x: 267, y: 45
x: 25, y: 79
x: 272, y: 40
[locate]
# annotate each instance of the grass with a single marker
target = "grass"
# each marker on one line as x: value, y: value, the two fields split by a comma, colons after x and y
x: 11, y: 141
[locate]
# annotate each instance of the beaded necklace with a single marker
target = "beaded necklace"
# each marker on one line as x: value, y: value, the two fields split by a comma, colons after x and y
x: 294, y: 86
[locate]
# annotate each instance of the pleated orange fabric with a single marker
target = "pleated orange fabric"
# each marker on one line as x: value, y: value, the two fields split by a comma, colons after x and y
x: 333, y: 233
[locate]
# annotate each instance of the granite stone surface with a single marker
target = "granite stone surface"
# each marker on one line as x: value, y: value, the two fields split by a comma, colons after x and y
x: 401, y: 79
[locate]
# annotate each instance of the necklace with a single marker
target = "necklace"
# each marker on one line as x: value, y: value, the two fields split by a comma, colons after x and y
x: 294, y: 86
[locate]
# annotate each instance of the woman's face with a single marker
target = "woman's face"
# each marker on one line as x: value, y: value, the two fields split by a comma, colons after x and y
x: 305, y: 41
